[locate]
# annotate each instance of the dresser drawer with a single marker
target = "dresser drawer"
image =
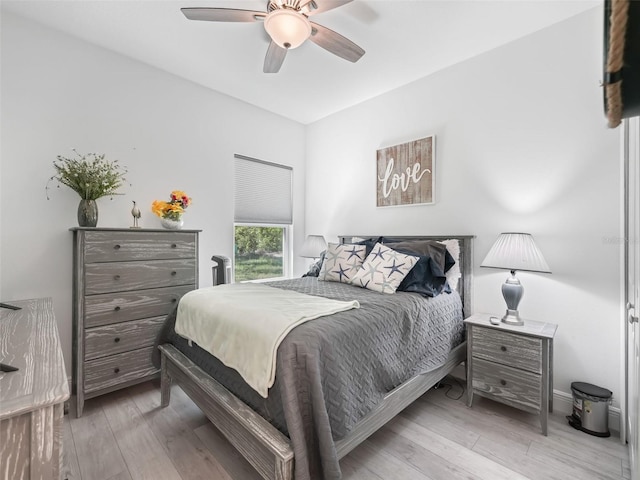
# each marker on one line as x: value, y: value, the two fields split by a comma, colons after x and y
x: 506, y: 348
x: 121, y: 337
x: 508, y: 385
x: 124, y: 306
x: 110, y: 371
x: 125, y: 246
x: 124, y: 276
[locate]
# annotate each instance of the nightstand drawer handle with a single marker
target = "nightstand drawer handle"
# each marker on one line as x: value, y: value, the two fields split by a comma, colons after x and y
x: 503, y: 348
x: 116, y: 370
x: 173, y: 245
x: 174, y: 273
x: 503, y: 382
x: 174, y: 300
x: 116, y: 277
x: 117, y: 339
x: 116, y: 247
x: 117, y: 309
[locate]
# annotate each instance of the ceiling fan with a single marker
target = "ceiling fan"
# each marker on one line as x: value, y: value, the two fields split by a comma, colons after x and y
x: 287, y: 23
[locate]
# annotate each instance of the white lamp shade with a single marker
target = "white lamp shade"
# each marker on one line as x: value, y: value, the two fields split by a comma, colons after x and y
x: 516, y: 251
x: 313, y: 246
x: 287, y: 28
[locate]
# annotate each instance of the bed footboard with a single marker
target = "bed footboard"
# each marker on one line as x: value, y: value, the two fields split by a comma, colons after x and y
x: 265, y: 447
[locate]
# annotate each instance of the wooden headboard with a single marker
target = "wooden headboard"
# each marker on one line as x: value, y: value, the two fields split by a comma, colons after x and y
x: 465, y: 262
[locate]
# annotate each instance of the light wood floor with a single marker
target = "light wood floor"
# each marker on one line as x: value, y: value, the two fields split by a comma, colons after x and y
x: 126, y: 436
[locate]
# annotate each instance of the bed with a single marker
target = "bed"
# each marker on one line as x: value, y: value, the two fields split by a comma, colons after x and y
x: 326, y: 399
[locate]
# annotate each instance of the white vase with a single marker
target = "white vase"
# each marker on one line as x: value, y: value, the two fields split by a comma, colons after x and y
x: 171, y: 224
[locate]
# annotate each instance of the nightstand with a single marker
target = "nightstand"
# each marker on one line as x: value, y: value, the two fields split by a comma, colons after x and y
x: 511, y: 364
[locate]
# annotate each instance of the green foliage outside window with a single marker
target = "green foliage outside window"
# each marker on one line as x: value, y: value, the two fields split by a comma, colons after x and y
x: 258, y: 253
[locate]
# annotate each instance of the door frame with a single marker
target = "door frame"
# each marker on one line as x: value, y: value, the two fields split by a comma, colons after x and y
x: 629, y: 428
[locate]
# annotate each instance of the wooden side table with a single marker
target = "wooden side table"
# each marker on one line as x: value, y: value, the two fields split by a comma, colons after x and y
x: 512, y: 365
x: 31, y: 398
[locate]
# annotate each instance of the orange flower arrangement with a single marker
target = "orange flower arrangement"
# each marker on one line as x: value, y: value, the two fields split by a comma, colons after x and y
x: 174, y: 208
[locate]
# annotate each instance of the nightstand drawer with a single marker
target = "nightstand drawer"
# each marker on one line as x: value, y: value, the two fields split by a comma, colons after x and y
x: 508, y: 385
x: 125, y: 367
x: 121, y: 337
x: 124, y: 306
x: 125, y: 246
x: 124, y: 276
x: 506, y: 348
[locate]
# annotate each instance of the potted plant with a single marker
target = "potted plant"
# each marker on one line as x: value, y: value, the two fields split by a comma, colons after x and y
x: 92, y: 177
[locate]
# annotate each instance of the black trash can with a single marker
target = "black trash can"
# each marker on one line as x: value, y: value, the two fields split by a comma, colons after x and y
x: 590, y: 409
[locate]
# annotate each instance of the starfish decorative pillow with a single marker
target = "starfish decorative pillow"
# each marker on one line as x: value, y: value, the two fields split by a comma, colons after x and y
x: 342, y: 262
x: 384, y: 269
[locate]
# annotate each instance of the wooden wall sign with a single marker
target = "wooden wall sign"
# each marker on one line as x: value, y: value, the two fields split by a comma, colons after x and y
x: 406, y: 173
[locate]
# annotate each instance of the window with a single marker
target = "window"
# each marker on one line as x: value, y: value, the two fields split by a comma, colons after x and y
x: 263, y: 218
x: 259, y: 252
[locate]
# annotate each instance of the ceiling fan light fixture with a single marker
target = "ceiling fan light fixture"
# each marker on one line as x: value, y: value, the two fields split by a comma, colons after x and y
x: 287, y: 28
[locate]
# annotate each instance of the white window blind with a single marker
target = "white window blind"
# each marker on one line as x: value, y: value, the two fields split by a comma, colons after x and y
x: 262, y: 192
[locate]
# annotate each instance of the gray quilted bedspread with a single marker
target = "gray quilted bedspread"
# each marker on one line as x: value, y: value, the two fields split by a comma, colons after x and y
x: 332, y: 371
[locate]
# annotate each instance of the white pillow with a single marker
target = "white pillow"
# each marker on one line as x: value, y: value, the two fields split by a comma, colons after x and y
x: 384, y: 269
x: 341, y: 262
x: 454, y: 273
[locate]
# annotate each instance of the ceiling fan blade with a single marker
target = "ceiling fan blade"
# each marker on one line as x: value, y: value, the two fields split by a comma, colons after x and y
x: 335, y: 43
x: 318, y: 6
x: 222, y: 14
x: 274, y: 58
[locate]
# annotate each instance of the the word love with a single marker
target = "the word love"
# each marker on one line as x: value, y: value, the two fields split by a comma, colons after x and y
x: 392, y: 181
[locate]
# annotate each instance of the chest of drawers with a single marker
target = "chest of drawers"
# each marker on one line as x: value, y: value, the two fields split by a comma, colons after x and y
x: 511, y: 364
x: 125, y: 282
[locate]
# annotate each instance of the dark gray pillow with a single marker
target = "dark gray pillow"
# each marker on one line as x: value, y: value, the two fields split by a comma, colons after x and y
x: 429, y: 248
x: 427, y: 277
x: 314, y: 271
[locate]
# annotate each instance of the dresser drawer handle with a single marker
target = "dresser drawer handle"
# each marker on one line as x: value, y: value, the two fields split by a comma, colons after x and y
x: 173, y: 245
x: 116, y: 370
x: 174, y: 273
x: 503, y: 348
x: 117, y: 309
x: 503, y: 382
x: 116, y: 247
x: 116, y: 277
x: 117, y: 339
x: 174, y: 300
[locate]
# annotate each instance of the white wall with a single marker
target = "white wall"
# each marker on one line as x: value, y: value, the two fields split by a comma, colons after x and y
x: 521, y: 145
x: 58, y: 93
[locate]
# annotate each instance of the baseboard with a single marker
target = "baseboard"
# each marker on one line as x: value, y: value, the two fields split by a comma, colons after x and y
x: 562, y: 402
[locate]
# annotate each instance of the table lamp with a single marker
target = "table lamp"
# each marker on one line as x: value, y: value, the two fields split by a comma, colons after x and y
x: 313, y: 247
x: 515, y: 251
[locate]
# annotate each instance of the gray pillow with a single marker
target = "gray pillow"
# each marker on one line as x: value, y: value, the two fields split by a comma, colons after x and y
x: 314, y: 271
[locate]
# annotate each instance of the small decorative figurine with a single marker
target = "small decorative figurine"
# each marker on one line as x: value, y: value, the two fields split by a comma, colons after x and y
x: 135, y: 211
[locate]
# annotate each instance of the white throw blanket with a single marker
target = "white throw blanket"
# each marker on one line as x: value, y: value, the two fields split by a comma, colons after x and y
x: 242, y: 324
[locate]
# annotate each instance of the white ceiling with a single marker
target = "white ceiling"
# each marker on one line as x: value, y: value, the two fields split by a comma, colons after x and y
x: 404, y: 40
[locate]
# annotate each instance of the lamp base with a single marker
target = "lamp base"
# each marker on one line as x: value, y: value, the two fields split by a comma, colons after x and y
x: 512, y: 292
x: 512, y: 318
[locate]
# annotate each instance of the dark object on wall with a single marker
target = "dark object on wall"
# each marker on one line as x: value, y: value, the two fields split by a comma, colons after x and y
x: 221, y: 270
x: 590, y: 409
x: 621, y: 60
